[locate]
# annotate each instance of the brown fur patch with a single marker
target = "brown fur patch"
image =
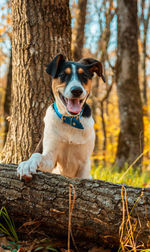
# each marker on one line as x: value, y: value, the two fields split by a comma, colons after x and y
x: 68, y: 70
x: 80, y: 70
x: 88, y: 86
x: 56, y: 84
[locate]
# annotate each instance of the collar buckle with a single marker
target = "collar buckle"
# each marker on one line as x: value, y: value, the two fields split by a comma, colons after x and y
x: 73, y: 121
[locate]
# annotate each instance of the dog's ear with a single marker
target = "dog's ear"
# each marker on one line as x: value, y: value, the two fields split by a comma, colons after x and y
x: 55, y: 65
x: 93, y: 66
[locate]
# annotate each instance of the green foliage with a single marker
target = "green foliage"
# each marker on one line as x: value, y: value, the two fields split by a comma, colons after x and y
x: 129, y: 175
x: 7, y: 226
x: 13, y: 247
x: 45, y: 249
x: 45, y: 245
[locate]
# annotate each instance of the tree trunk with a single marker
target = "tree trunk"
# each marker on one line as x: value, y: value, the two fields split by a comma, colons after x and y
x: 104, y: 132
x: 78, y: 35
x: 94, y: 98
x: 144, y: 71
x: 130, y: 143
x: 144, y: 21
x: 7, y: 102
x: 41, y: 29
x: 100, y: 208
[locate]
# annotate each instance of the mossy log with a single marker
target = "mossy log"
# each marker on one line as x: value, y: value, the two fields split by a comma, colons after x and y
x: 100, y: 212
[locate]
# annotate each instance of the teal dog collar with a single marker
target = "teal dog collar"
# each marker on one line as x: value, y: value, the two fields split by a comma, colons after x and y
x: 73, y: 121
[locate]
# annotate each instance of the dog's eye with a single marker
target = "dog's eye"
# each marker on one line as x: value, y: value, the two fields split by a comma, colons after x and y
x: 64, y: 77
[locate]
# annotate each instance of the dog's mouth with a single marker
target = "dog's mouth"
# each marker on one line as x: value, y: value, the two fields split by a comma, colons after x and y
x: 74, y: 105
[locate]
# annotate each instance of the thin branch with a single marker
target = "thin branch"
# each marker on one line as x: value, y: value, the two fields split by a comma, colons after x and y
x: 105, y: 97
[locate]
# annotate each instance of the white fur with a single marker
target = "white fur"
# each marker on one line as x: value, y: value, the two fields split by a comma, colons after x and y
x: 66, y: 150
x: 74, y: 82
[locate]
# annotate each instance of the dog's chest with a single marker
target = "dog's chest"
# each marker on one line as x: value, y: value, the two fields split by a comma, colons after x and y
x: 72, y: 157
x: 70, y: 147
x: 55, y: 128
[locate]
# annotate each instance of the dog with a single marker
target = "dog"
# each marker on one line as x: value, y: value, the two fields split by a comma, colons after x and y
x: 69, y: 137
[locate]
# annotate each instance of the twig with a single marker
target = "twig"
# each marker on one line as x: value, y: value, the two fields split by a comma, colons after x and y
x: 107, y: 93
x: 71, y: 206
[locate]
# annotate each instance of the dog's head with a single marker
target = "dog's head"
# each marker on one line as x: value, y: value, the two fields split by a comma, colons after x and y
x: 72, y: 82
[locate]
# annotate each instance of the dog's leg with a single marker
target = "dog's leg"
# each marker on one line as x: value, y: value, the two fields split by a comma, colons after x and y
x: 36, y: 162
x: 27, y: 168
x: 43, y: 161
x: 84, y: 171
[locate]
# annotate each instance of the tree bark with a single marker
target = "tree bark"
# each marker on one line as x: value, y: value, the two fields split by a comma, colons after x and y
x: 79, y: 27
x: 144, y: 21
x: 41, y: 29
x: 130, y: 143
x: 99, y: 210
x: 94, y: 98
x: 7, y: 102
x: 102, y: 52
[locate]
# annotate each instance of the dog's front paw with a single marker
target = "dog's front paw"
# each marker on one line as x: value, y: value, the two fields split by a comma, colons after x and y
x: 27, y: 168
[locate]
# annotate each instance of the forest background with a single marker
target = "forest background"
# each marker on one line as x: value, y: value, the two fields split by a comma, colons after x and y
x: 94, y: 34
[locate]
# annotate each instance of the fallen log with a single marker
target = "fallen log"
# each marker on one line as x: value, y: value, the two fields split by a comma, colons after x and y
x: 100, y: 212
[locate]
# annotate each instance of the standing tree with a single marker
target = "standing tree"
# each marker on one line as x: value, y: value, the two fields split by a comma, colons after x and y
x: 78, y: 31
x: 6, y: 52
x: 130, y: 144
x: 7, y: 102
x: 41, y: 29
x: 107, y: 10
x: 144, y: 21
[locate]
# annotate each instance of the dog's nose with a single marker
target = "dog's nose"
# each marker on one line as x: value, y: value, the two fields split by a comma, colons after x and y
x: 76, y: 91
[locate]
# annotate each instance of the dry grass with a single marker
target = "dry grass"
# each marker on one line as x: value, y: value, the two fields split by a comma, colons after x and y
x: 127, y: 233
x: 71, y: 206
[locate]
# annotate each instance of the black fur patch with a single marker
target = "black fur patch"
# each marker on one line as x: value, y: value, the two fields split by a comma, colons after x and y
x: 85, y: 76
x: 82, y: 77
x: 64, y: 77
x: 86, y: 110
x: 89, y: 66
x: 55, y: 65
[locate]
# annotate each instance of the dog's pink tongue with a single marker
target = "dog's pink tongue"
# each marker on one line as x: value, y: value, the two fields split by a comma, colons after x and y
x: 74, y: 106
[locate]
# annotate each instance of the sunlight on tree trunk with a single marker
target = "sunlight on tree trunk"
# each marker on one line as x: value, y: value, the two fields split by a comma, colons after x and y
x: 130, y: 143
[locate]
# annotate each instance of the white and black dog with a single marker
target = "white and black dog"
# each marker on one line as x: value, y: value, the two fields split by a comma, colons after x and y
x: 69, y: 136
